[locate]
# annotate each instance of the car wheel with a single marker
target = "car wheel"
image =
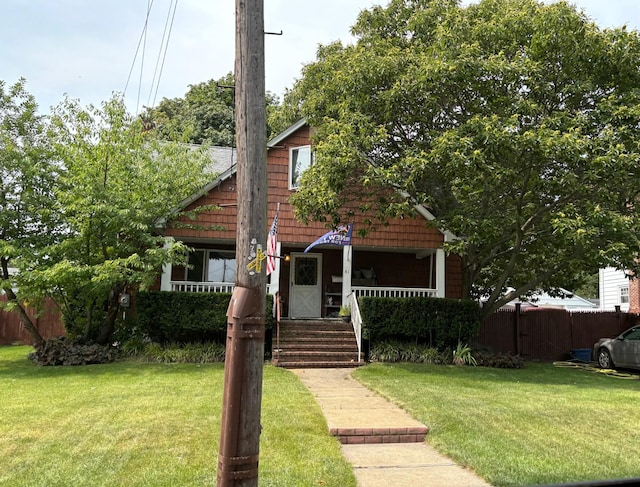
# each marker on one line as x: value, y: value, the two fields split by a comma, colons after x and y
x: 604, y: 359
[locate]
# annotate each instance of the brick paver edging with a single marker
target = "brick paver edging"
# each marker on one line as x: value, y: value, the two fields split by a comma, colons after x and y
x: 367, y: 436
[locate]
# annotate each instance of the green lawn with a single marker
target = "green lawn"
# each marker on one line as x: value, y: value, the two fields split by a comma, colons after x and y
x: 133, y: 424
x: 538, y: 425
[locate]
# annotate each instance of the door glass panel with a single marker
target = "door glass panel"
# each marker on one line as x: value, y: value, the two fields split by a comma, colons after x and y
x: 306, y: 272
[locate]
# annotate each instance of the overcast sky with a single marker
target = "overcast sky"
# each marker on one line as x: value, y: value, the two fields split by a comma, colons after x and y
x: 86, y: 48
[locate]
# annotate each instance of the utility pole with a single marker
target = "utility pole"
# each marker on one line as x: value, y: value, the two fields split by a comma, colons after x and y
x: 240, y: 434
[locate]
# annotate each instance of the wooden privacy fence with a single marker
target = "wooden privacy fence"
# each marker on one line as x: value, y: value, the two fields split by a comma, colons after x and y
x: 535, y: 334
x: 549, y: 334
x: 12, y: 330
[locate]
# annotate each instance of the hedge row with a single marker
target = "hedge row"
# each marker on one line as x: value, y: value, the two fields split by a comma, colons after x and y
x: 184, y: 317
x: 437, y: 322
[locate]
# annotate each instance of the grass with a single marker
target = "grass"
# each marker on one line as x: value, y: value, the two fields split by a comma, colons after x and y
x: 537, y: 425
x: 133, y: 424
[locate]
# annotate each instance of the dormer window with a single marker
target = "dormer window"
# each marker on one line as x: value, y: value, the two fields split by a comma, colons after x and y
x: 299, y: 162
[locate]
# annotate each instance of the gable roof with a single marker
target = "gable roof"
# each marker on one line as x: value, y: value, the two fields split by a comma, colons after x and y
x: 223, y: 165
x: 286, y: 133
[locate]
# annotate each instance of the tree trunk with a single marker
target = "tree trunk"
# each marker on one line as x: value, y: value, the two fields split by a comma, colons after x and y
x: 24, y: 318
x: 109, y: 323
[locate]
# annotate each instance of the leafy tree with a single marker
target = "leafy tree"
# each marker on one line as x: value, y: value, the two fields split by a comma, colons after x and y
x: 515, y: 122
x: 28, y: 207
x: 204, y: 115
x: 118, y: 182
x: 282, y: 116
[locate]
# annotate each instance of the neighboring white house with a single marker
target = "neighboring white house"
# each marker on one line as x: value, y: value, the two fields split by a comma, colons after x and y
x: 572, y: 302
x: 613, y: 287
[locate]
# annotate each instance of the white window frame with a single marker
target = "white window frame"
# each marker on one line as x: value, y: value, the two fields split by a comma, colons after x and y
x: 205, y: 266
x: 295, y: 184
x: 623, y: 293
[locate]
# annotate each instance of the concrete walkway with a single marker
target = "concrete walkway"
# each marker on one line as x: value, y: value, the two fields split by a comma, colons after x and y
x: 383, y: 443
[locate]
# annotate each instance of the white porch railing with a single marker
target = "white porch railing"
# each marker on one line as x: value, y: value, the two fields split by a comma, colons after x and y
x: 356, y: 321
x: 209, y: 287
x: 202, y: 287
x: 393, y: 292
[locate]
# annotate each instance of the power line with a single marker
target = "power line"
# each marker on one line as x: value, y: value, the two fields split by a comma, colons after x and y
x: 142, y: 35
x: 144, y: 49
x: 166, y: 46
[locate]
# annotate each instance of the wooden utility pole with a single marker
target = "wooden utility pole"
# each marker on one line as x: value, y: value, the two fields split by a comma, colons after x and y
x: 240, y: 434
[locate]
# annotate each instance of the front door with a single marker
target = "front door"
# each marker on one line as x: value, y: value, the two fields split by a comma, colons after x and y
x: 305, y: 294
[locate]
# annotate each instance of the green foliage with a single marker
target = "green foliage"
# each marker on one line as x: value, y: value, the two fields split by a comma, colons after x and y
x: 434, y: 321
x: 116, y: 183
x: 183, y: 317
x: 191, y: 353
x: 513, y: 121
x: 345, y: 311
x: 394, y: 351
x: 29, y: 216
x: 61, y: 351
x: 462, y: 355
x: 204, y: 115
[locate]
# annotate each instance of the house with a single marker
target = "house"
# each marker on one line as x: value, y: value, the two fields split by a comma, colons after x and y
x: 618, y: 291
x: 541, y: 299
x: 404, y: 258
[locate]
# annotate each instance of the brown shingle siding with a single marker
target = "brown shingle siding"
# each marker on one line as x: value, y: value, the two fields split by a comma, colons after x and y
x: 408, y: 233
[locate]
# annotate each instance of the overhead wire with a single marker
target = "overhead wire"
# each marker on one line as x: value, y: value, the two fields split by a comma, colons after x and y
x: 144, y: 46
x: 160, y: 52
x: 142, y: 35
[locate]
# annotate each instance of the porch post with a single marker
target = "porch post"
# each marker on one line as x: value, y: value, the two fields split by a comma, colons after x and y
x: 347, y: 253
x: 274, y: 285
x: 165, y: 277
x: 440, y: 274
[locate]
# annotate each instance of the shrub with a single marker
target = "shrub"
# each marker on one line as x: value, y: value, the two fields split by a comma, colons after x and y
x: 167, y: 317
x: 499, y: 360
x: 395, y: 351
x: 462, y: 355
x: 193, y: 353
x: 436, y: 322
x: 62, y: 351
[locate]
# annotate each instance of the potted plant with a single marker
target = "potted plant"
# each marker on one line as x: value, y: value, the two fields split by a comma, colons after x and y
x: 345, y: 313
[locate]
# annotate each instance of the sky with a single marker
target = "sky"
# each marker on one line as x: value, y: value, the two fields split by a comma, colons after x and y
x: 87, y: 48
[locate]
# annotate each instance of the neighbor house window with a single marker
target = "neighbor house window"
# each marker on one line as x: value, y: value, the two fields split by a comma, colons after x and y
x: 299, y: 162
x: 212, y: 266
x: 624, y: 295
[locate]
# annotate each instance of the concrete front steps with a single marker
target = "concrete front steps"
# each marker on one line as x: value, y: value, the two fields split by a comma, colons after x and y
x: 326, y: 343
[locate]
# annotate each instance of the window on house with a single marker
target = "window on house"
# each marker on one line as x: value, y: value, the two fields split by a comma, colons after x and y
x: 212, y: 266
x: 299, y: 162
x: 624, y: 295
x: 221, y: 267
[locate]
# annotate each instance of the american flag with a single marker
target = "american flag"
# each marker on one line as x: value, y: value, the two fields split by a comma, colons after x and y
x: 272, y: 244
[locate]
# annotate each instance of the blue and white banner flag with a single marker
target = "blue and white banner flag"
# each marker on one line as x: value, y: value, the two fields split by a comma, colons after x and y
x: 339, y: 236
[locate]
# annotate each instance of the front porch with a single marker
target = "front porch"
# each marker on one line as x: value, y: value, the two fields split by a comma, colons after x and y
x: 312, y: 287
x: 317, y: 284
